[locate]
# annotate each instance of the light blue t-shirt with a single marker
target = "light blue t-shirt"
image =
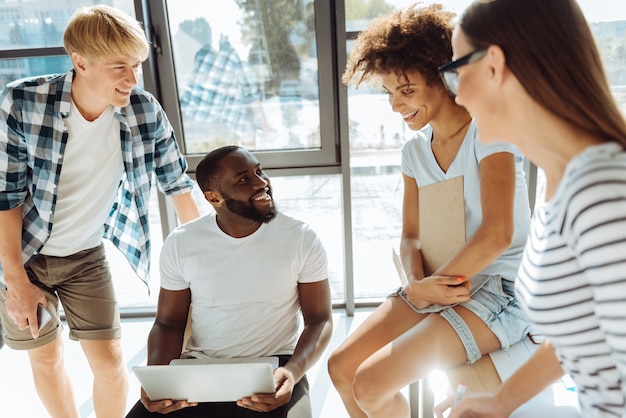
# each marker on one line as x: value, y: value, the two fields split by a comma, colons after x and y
x: 419, y: 162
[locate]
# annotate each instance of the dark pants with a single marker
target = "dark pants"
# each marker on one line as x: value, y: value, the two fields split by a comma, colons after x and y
x: 298, y: 407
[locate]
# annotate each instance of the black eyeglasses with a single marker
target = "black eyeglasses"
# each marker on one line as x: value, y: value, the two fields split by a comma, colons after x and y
x: 449, y: 71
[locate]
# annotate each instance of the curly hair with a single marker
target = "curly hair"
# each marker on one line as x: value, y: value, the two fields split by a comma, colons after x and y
x: 412, y: 39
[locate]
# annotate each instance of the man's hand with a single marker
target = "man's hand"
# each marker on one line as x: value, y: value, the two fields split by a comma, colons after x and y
x: 265, y: 402
x: 440, y: 290
x: 22, y: 300
x: 163, y: 406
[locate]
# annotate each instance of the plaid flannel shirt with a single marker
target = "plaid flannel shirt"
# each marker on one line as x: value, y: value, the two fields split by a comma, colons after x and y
x: 218, y: 90
x: 33, y: 136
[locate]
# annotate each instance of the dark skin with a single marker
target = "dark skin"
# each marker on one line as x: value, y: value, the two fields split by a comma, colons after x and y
x: 243, y: 179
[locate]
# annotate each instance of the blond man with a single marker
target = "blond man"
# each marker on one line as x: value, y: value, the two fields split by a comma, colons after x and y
x: 77, y: 155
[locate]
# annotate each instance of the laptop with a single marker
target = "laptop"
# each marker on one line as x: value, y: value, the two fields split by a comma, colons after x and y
x: 208, y: 380
x: 273, y: 360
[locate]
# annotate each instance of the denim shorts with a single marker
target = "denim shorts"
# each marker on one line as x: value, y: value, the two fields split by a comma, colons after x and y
x: 492, y: 301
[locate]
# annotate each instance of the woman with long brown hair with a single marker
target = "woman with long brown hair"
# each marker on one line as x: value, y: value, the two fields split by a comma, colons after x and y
x: 539, y: 84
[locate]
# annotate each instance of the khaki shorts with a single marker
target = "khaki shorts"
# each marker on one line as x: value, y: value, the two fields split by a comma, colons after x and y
x: 82, y: 283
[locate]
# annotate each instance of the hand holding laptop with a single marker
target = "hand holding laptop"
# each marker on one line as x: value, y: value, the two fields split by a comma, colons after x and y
x: 163, y: 406
x: 266, y: 402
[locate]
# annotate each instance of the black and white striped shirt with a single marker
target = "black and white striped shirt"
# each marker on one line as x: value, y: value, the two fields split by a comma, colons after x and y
x: 572, y: 280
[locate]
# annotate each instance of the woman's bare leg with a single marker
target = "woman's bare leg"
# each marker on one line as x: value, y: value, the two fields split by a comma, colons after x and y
x: 431, y: 344
x: 390, y: 320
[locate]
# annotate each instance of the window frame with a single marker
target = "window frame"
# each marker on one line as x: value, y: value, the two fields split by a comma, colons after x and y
x: 327, y: 156
x: 332, y: 158
x: 334, y: 155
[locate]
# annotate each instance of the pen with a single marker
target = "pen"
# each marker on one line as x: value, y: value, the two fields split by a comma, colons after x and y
x: 460, y: 392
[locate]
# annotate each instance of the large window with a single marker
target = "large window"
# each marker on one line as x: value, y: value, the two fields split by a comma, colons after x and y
x: 250, y: 72
x: 376, y: 136
x: 247, y: 75
x: 333, y: 153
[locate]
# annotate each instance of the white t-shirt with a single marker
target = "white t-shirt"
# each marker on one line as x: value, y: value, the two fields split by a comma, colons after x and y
x: 244, y: 291
x: 572, y: 281
x: 92, y: 170
x: 419, y: 162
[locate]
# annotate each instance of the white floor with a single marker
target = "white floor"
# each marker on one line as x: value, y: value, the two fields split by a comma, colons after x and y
x: 18, y: 398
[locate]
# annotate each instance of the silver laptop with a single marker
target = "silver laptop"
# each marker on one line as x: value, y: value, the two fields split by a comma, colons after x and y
x: 273, y: 360
x: 208, y: 380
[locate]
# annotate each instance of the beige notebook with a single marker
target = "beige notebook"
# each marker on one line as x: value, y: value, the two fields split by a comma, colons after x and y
x: 398, y: 263
x: 442, y: 222
x: 442, y: 225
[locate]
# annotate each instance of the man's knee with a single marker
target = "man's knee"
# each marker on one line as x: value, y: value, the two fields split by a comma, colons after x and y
x: 105, y: 357
x: 300, y: 404
x: 47, y: 358
x: 139, y: 411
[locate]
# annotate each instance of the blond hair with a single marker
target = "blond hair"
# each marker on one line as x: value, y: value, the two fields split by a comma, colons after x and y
x: 103, y: 31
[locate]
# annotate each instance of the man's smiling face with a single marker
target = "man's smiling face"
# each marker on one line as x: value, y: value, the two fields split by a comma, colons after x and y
x: 245, y: 187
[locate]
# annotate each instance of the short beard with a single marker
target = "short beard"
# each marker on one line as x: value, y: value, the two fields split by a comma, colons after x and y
x: 248, y: 211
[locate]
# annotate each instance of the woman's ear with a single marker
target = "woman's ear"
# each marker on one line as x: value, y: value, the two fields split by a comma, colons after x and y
x: 497, y: 63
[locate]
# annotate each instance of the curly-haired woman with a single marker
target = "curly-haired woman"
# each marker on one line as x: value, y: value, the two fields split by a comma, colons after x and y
x: 466, y: 308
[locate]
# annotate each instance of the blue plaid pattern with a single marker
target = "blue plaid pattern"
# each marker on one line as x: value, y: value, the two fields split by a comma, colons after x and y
x: 33, y: 136
x: 218, y: 90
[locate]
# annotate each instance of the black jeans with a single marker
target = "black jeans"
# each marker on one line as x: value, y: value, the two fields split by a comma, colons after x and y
x: 298, y: 407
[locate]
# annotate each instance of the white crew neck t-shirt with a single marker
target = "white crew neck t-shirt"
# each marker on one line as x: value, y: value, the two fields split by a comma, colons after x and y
x: 92, y: 170
x: 244, y: 291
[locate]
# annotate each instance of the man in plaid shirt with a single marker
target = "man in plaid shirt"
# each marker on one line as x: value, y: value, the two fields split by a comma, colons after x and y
x: 219, y: 92
x: 78, y: 152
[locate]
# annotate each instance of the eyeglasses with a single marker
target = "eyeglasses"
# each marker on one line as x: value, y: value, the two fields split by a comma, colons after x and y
x: 449, y: 71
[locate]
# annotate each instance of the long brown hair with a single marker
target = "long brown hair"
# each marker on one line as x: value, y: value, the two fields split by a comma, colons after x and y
x: 549, y: 47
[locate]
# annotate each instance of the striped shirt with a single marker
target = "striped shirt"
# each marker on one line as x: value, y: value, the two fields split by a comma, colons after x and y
x: 33, y: 136
x: 572, y: 280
